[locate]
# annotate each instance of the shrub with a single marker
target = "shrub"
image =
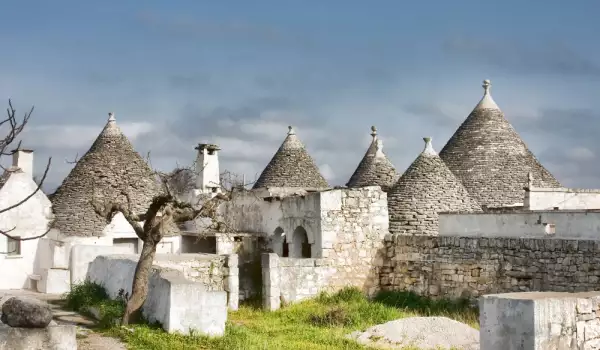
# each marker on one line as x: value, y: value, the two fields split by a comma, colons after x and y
x: 84, y: 295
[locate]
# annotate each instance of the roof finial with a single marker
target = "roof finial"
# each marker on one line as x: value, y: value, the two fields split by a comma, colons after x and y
x: 486, y: 86
x: 291, y: 130
x: 111, y: 117
x: 379, y: 149
x: 428, y: 147
x: 373, y: 131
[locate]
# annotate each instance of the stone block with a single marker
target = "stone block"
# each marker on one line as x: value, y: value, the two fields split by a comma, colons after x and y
x: 194, y: 310
x: 54, y: 281
x: 536, y: 320
x: 56, y: 337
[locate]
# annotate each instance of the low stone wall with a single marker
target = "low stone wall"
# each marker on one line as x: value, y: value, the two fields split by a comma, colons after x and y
x: 470, y: 267
x: 540, y: 321
x: 55, y: 337
x: 178, y: 303
x: 288, y: 280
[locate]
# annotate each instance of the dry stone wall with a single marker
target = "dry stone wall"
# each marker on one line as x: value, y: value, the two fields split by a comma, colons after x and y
x: 470, y: 267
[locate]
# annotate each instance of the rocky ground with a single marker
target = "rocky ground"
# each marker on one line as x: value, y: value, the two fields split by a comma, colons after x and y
x: 422, y: 332
x: 87, y: 339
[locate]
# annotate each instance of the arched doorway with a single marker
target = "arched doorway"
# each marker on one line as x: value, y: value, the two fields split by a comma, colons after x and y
x: 301, y: 247
x: 278, y: 244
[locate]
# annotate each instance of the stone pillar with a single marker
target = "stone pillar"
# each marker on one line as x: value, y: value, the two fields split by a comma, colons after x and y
x: 225, y: 244
x: 232, y: 282
x: 271, y: 292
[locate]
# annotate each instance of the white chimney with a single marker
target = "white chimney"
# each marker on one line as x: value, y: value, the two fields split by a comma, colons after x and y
x: 207, y: 169
x: 23, y: 159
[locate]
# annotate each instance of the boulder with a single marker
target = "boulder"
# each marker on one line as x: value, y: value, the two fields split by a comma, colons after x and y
x: 26, y: 313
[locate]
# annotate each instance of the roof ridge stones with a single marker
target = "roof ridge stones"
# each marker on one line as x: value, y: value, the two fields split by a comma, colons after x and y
x: 291, y: 166
x: 490, y: 158
x: 375, y: 169
x: 425, y: 189
x: 109, y: 170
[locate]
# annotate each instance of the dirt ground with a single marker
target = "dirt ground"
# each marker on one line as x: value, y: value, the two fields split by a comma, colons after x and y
x: 87, y: 339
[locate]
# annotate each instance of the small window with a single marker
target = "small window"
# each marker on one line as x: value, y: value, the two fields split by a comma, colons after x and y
x: 13, y: 246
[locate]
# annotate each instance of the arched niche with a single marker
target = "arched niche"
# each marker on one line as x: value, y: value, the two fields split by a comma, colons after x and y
x: 300, y: 248
x: 278, y: 244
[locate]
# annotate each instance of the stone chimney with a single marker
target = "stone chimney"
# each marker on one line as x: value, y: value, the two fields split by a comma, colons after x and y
x: 23, y: 159
x: 207, y: 169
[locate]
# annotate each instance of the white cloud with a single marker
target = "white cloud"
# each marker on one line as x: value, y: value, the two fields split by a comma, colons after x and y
x: 580, y: 154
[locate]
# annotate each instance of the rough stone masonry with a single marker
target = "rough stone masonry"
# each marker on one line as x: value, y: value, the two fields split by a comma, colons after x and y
x: 471, y: 267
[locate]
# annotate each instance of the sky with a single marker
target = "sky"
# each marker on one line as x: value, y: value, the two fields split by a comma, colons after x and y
x: 237, y: 73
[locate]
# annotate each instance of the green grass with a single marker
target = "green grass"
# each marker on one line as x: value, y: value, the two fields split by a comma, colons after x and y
x: 320, y: 323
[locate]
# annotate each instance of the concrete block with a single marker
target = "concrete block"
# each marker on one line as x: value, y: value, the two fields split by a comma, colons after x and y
x: 54, y: 281
x: 61, y: 337
x: 537, y: 320
x: 194, y: 310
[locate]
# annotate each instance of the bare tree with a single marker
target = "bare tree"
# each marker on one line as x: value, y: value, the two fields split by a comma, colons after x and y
x: 165, y: 209
x: 11, y: 127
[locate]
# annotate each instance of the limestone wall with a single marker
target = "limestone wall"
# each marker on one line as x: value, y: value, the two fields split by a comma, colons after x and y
x: 563, y: 224
x: 289, y: 280
x: 353, y: 226
x: 454, y: 267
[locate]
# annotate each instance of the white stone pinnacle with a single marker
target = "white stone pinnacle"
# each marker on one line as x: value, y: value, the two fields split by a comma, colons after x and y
x: 373, y: 131
x: 291, y: 130
x: 111, y: 117
x: 487, y: 102
x: 428, y: 150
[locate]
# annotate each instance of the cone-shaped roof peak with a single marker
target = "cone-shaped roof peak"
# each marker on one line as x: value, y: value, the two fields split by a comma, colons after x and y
x: 375, y: 169
x: 425, y: 189
x: 291, y: 166
x: 491, y: 159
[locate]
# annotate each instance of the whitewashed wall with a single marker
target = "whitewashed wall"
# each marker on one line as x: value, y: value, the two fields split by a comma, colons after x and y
x: 562, y: 198
x: 29, y: 219
x: 573, y: 224
x: 179, y: 304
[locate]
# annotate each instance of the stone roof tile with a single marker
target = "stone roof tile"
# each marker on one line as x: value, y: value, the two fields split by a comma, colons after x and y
x: 425, y: 189
x: 291, y: 166
x: 375, y: 169
x: 491, y: 159
x: 110, y: 168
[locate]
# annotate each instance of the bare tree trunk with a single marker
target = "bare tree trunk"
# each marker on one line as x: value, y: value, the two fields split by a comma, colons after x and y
x: 139, y: 289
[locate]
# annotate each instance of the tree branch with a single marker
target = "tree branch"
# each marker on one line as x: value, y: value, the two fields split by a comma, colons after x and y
x: 39, y: 187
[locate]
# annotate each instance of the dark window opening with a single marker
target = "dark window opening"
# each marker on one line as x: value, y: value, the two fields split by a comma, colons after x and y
x: 286, y: 250
x: 306, y: 253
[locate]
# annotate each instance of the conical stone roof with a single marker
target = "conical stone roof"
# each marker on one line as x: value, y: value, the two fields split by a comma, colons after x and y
x: 375, y: 169
x: 291, y: 166
x: 109, y: 169
x: 491, y: 159
x: 425, y: 189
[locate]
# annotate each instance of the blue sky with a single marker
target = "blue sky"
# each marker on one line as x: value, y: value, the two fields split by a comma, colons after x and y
x: 176, y: 73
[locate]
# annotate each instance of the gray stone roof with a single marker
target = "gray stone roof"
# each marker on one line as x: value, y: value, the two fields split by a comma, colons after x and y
x: 491, y: 159
x: 291, y: 166
x: 110, y: 168
x: 375, y: 169
x: 425, y: 189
